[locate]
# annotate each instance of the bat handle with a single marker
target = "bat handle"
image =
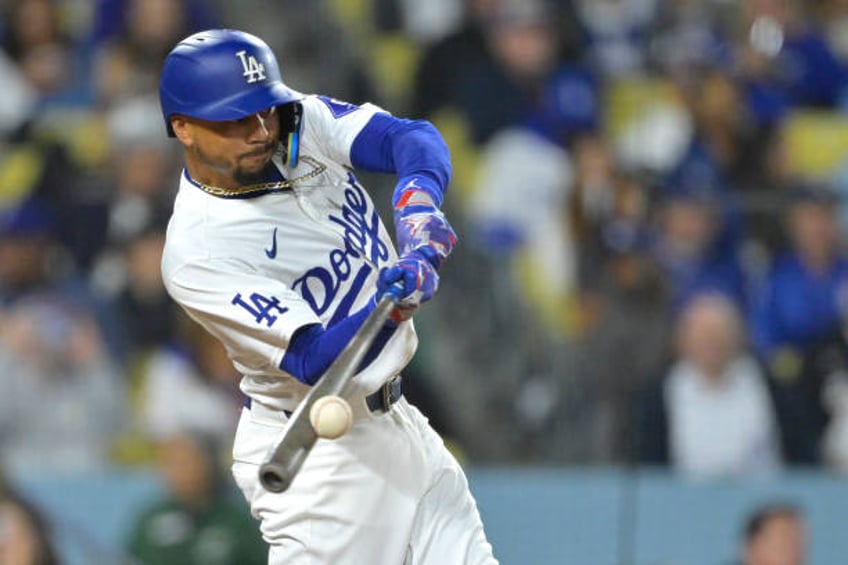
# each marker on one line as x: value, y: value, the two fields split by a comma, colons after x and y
x: 395, y: 291
x: 277, y: 474
x: 274, y: 477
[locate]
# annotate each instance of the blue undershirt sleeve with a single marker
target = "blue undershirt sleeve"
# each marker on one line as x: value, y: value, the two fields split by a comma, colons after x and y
x: 313, y: 348
x: 408, y: 148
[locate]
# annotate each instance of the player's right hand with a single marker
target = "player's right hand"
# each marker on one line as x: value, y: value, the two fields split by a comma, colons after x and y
x: 417, y: 277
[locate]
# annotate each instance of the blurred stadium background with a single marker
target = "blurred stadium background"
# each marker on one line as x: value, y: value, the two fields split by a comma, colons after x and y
x: 639, y: 342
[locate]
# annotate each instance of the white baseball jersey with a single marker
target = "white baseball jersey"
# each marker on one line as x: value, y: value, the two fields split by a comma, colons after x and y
x: 253, y: 269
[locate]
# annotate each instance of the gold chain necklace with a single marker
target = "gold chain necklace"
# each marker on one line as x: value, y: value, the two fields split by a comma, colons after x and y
x: 253, y: 189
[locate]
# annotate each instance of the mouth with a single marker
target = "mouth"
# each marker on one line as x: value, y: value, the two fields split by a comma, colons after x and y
x: 261, y: 154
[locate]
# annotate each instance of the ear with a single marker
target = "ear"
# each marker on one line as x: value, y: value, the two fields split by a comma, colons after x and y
x: 182, y: 129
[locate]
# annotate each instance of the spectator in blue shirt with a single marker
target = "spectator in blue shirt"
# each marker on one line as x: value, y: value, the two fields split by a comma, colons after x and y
x: 696, y: 247
x: 786, y: 60
x: 797, y: 316
x: 803, y: 299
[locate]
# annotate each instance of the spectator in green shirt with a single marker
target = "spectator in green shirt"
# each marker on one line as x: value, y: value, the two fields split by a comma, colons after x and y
x: 198, y: 521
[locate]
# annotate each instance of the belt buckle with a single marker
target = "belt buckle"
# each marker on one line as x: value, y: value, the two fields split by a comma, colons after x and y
x: 386, y: 391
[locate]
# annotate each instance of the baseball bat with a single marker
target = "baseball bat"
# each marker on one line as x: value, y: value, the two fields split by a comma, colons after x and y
x: 285, y: 458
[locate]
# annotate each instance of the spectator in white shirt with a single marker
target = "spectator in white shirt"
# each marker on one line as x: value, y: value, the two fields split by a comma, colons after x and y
x: 714, y: 414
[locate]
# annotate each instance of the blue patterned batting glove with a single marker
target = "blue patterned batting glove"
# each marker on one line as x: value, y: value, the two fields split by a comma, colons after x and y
x: 420, y: 225
x: 417, y: 276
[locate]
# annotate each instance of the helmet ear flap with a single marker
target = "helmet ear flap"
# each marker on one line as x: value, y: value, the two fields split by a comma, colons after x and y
x: 291, y: 117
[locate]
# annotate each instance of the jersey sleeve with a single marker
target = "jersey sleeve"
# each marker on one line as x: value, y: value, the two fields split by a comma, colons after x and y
x: 252, y: 315
x: 332, y: 125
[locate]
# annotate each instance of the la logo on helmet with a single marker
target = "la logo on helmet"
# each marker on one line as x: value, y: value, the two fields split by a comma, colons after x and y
x: 253, y: 69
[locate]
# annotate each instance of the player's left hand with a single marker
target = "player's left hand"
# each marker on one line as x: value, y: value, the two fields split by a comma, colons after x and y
x: 421, y: 226
x: 418, y: 278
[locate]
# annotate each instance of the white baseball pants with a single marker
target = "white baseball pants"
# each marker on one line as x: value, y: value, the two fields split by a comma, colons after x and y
x: 386, y: 493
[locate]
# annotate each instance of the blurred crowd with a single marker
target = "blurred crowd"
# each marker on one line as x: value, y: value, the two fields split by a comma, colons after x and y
x: 653, y: 194
x: 650, y: 197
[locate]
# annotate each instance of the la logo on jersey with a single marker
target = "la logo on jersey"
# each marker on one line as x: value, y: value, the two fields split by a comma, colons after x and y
x: 253, y: 69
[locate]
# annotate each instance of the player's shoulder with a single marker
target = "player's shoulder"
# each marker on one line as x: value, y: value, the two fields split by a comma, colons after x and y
x: 325, y: 113
x: 327, y: 105
x: 330, y: 126
x: 336, y: 109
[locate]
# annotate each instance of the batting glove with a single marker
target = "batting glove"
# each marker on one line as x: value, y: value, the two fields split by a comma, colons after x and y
x: 417, y: 276
x: 421, y: 226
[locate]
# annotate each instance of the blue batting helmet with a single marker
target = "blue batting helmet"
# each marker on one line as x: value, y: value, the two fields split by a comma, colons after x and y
x: 219, y: 75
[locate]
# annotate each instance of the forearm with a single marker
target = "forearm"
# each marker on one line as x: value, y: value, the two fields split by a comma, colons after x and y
x: 312, y: 349
x: 416, y: 152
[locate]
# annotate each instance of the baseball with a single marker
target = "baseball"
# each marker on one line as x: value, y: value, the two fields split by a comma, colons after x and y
x: 331, y: 417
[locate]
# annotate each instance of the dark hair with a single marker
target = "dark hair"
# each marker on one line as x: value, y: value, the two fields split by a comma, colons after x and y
x: 759, y: 518
x: 210, y: 449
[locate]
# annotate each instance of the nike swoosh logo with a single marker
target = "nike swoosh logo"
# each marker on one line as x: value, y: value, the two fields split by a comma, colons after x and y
x: 271, y: 253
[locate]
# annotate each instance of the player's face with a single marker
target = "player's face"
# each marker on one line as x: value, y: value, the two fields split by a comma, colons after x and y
x: 232, y: 153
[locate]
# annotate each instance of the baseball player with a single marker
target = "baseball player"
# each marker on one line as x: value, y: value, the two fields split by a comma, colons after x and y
x: 276, y: 248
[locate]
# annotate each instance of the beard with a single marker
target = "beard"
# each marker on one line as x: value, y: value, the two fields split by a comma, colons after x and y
x: 247, y: 177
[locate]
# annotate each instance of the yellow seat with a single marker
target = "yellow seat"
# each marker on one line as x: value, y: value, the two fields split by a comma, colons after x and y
x: 816, y: 142
x: 20, y: 170
x: 465, y: 156
x: 394, y: 58
x: 627, y: 99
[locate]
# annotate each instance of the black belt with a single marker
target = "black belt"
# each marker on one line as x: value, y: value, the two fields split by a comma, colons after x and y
x: 379, y: 401
x: 386, y: 395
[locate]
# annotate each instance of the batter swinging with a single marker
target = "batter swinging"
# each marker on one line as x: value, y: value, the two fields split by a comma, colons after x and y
x: 276, y: 248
